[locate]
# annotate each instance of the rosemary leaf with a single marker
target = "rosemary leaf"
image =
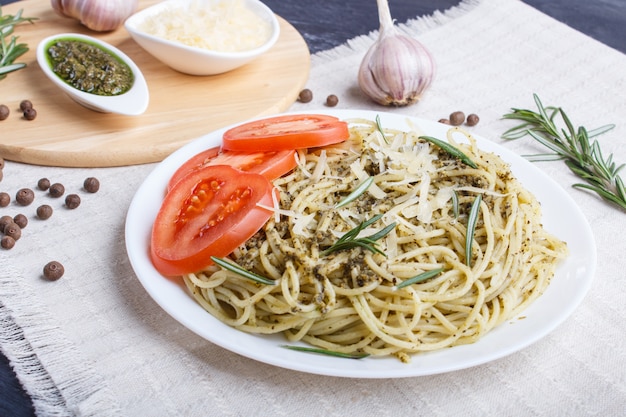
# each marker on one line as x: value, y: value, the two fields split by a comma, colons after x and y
x: 455, y: 204
x: 369, y: 222
x: 600, y: 191
x: 471, y: 229
x: 621, y: 190
x: 543, y: 157
x: 327, y: 352
x: 379, y: 126
x: 349, y: 240
x: 8, y: 22
x: 455, y: 152
x: 351, y: 234
x: 232, y: 267
x: 555, y: 146
x: 10, y: 50
x: 349, y: 244
x: 600, y: 130
x: 356, y: 193
x: 384, y: 232
x: 419, y: 278
x: 572, y: 145
x: 10, y: 68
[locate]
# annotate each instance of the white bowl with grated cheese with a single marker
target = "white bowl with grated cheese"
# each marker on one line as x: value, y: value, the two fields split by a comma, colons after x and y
x: 205, y: 37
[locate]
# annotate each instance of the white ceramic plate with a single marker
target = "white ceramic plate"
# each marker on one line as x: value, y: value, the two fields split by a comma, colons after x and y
x: 562, y: 217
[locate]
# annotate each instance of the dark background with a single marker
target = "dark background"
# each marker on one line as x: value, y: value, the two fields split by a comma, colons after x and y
x: 328, y: 23
x: 604, y: 20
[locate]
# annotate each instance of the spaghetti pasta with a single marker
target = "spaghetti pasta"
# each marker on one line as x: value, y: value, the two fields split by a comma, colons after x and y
x: 351, y: 300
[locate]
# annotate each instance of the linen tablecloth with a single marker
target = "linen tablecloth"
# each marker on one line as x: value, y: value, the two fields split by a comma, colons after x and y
x: 95, y: 344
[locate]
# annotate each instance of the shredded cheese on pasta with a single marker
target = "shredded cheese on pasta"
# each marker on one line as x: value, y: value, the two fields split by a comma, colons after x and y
x: 349, y: 301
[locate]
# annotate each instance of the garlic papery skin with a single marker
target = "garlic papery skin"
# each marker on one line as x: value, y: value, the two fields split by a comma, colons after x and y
x: 396, y: 69
x: 97, y: 15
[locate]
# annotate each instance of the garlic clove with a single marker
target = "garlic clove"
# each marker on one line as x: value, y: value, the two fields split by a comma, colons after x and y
x: 101, y: 15
x: 396, y: 69
x: 97, y: 15
x: 57, y: 6
x: 67, y: 8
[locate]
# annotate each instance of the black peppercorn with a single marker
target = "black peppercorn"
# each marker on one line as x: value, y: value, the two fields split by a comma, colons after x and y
x: 43, y: 184
x: 305, y: 96
x: 30, y: 114
x: 457, y: 118
x: 53, y: 270
x: 56, y: 190
x: 7, y: 242
x: 4, y: 112
x: 21, y: 220
x: 44, y: 212
x: 24, y: 196
x: 26, y: 104
x: 332, y: 100
x: 472, y: 120
x: 72, y: 201
x: 4, y: 220
x: 91, y: 185
x: 13, y: 230
x: 5, y: 199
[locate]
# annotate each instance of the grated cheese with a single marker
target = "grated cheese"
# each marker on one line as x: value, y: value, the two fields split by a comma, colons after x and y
x: 224, y: 26
x: 320, y: 167
x: 360, y: 173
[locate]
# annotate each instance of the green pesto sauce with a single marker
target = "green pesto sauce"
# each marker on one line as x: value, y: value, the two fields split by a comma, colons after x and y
x: 89, y: 68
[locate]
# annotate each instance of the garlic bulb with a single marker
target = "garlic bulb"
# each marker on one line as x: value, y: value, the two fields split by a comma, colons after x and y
x: 98, y: 15
x: 396, y: 69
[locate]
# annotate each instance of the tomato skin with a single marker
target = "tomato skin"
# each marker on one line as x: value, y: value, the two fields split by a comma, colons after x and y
x: 209, y: 212
x: 272, y: 164
x: 195, y: 162
x: 296, y: 131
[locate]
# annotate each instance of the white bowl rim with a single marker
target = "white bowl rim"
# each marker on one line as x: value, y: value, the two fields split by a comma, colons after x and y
x: 131, y: 103
x: 132, y: 25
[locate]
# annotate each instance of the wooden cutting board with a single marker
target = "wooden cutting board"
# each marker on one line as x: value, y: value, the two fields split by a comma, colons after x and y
x: 182, y: 107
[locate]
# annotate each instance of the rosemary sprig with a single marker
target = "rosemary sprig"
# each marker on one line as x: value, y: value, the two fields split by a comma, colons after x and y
x: 232, y: 267
x: 349, y: 240
x: 455, y: 204
x: 583, y: 157
x: 472, y: 219
x: 327, y: 352
x: 419, y: 278
x: 455, y: 152
x: 379, y: 126
x: 356, y: 193
x: 11, y: 50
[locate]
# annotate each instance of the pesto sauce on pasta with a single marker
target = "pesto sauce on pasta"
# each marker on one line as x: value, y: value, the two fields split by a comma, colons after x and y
x: 348, y: 301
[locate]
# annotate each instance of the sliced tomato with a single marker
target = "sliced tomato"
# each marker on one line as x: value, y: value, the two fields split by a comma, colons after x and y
x: 286, y: 132
x: 195, y: 162
x: 272, y: 164
x: 209, y: 212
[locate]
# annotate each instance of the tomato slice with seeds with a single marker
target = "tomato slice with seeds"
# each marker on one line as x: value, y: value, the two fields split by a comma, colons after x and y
x: 271, y: 164
x: 209, y: 212
x: 286, y: 132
